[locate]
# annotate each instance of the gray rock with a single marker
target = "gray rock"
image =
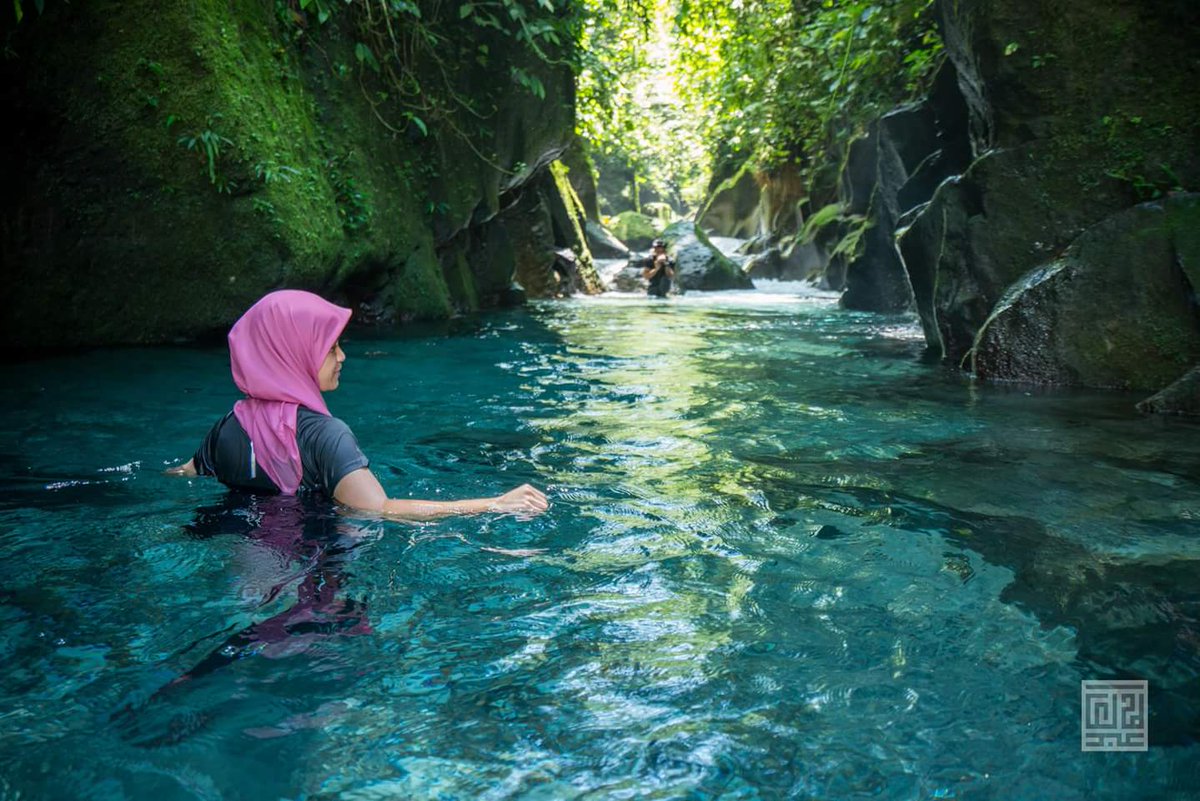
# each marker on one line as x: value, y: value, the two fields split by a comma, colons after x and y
x: 1116, y: 309
x: 983, y: 231
x: 765, y: 265
x: 630, y: 279
x: 1059, y: 103
x: 732, y: 208
x: 896, y: 167
x: 603, y: 243
x: 699, y: 265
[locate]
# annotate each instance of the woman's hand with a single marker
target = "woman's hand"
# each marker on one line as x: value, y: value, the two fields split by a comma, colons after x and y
x: 525, y: 500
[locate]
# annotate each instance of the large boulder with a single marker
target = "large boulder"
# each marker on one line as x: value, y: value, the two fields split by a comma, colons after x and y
x: 983, y: 231
x: 698, y: 264
x: 1116, y: 309
x: 768, y: 264
x: 635, y: 230
x: 732, y: 208
x: 629, y: 278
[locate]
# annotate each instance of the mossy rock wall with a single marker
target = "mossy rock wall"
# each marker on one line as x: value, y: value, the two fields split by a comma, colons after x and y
x: 1073, y: 115
x: 116, y: 229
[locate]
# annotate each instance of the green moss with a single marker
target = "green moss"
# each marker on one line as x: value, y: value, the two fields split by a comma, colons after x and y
x: 576, y: 215
x: 635, y: 230
x: 142, y: 239
x: 418, y: 291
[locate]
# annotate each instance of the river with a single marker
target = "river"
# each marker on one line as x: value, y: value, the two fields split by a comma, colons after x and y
x: 785, y: 557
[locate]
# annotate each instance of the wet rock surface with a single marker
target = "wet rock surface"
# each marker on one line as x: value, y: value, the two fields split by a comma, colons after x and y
x: 1115, y: 310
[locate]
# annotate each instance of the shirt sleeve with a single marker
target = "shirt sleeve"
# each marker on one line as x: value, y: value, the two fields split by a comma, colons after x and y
x: 205, y: 458
x: 334, y: 453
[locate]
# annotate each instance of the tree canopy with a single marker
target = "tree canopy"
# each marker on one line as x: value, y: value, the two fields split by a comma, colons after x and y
x: 680, y: 88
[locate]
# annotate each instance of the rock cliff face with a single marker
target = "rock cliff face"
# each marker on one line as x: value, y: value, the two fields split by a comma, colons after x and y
x: 1029, y: 263
x: 166, y: 164
x: 1074, y: 116
x: 891, y: 172
x: 733, y: 207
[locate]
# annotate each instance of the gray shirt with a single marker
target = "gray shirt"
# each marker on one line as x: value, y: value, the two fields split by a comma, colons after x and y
x: 328, y: 453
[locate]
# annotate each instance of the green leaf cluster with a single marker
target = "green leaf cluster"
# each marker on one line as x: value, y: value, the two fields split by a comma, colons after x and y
x: 780, y: 80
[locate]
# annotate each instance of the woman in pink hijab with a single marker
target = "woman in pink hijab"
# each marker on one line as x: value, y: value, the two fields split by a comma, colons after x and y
x: 281, y: 437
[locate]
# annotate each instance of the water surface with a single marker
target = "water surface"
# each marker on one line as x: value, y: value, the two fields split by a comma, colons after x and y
x: 785, y: 559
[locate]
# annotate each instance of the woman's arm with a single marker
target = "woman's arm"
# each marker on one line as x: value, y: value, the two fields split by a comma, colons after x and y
x: 361, y: 490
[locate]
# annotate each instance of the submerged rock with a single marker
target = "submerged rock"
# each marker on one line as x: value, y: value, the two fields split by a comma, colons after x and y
x: 1182, y: 397
x: 1117, y: 309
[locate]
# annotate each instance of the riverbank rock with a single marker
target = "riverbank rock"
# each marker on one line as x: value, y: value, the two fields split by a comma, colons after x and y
x: 603, y: 242
x: 765, y: 265
x: 1117, y: 309
x: 582, y: 175
x: 629, y: 278
x: 698, y: 264
x: 213, y: 153
x: 1073, y: 115
x: 732, y: 208
x: 896, y: 167
x: 1181, y: 397
x: 1010, y: 212
x: 635, y: 230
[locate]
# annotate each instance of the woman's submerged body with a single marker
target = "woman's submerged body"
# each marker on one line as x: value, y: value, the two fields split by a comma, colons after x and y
x: 285, y: 354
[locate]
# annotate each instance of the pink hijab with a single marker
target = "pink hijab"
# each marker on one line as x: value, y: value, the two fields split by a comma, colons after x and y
x: 277, y: 349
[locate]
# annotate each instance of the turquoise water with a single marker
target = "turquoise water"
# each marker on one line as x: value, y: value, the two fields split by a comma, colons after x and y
x: 785, y: 559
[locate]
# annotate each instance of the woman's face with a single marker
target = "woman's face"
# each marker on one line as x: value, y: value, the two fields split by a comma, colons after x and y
x: 331, y: 369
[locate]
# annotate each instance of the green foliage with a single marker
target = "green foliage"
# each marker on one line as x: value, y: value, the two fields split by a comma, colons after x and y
x: 424, y: 64
x: 781, y: 80
x: 1126, y: 138
x: 822, y: 218
x: 674, y: 86
x: 854, y: 227
x: 352, y: 205
x: 207, y: 145
x: 628, y: 106
x: 268, y: 171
